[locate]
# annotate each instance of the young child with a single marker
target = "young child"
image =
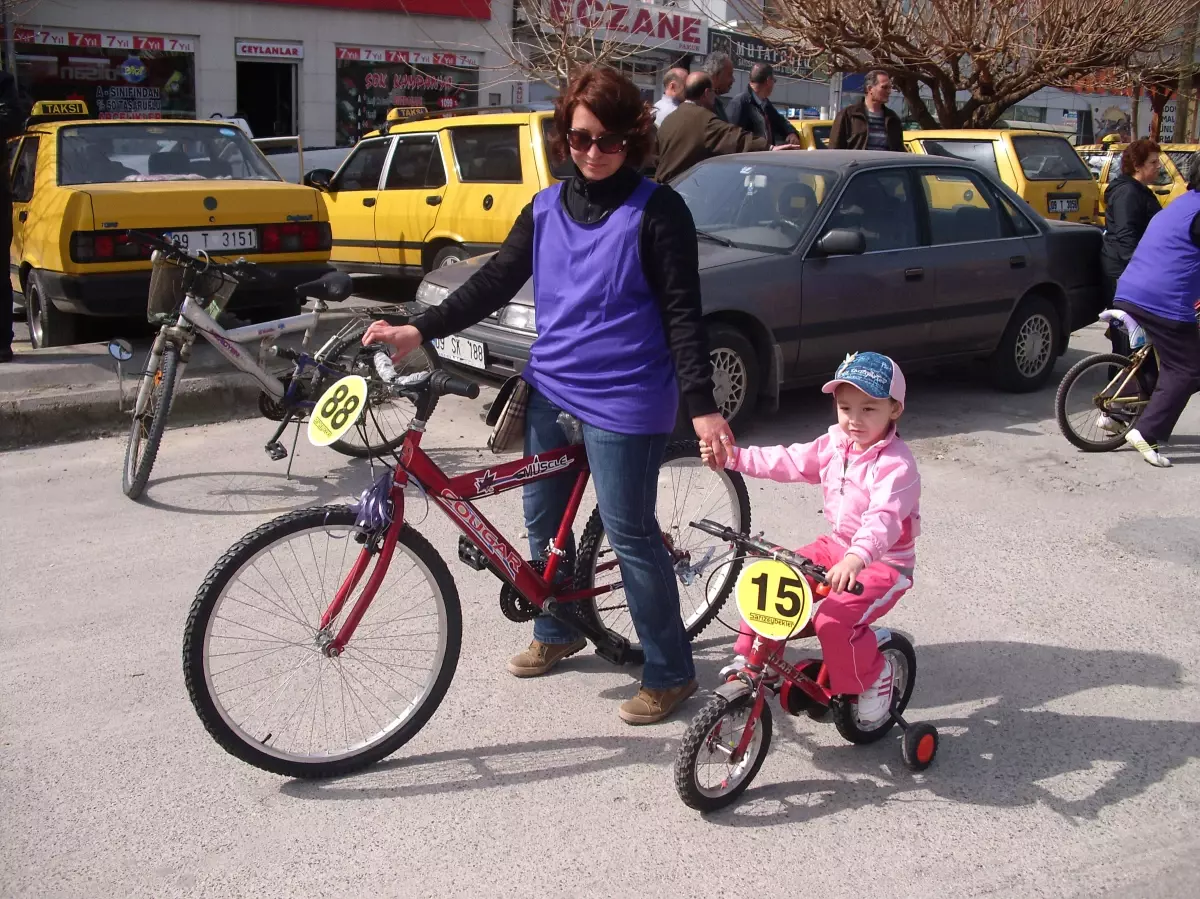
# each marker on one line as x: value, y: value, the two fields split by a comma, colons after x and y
x: 871, y: 489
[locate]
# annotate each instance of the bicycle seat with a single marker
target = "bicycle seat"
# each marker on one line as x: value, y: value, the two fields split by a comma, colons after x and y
x: 332, y: 288
x: 1128, y: 324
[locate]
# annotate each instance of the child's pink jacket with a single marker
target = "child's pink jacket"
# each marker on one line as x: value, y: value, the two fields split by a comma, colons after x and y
x: 872, y: 499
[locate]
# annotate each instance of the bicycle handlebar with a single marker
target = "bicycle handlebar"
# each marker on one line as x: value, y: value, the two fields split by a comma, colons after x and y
x: 767, y: 548
x: 437, y: 382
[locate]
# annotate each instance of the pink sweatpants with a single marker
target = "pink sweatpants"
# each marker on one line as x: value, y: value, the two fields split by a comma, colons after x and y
x: 843, y: 620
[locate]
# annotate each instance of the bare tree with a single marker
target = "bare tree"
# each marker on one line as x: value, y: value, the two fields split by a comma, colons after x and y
x: 996, y: 52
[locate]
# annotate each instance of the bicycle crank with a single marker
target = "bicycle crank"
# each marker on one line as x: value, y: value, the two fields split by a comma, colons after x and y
x: 515, y: 606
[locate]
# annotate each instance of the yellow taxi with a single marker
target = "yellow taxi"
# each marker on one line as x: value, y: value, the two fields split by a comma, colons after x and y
x: 79, y: 183
x: 1043, y: 169
x: 434, y: 188
x: 814, y: 133
x: 1104, y: 162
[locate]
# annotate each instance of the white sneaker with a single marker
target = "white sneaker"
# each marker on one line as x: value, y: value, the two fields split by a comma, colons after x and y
x: 1111, y: 425
x: 875, y: 703
x: 1150, y: 453
x: 736, y: 664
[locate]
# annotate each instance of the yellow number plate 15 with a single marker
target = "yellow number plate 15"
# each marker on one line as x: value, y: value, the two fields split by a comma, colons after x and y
x: 337, y: 410
x: 773, y: 599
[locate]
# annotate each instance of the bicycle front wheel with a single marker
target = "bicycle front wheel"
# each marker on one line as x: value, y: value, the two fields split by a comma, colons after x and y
x: 705, y: 567
x: 253, y: 654
x: 1099, y: 401
x: 146, y: 433
x: 384, y: 422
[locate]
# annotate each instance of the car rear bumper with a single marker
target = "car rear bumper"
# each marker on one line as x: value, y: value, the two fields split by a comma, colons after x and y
x: 124, y: 294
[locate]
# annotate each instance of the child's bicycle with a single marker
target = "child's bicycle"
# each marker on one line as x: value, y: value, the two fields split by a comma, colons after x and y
x: 1102, y: 396
x: 324, y: 640
x: 725, y: 744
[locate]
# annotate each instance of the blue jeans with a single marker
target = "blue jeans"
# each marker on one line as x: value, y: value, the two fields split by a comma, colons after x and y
x: 625, y: 472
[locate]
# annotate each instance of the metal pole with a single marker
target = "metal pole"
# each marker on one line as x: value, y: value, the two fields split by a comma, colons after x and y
x: 10, y: 56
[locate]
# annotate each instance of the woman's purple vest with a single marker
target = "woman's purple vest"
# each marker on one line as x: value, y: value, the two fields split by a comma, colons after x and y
x: 1163, y: 277
x: 601, y: 352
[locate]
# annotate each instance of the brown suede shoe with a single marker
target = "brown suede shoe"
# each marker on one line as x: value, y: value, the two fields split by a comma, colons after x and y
x: 541, y: 657
x: 651, y: 706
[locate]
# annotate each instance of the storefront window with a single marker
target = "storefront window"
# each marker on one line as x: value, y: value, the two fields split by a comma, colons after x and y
x: 126, y: 84
x: 370, y: 82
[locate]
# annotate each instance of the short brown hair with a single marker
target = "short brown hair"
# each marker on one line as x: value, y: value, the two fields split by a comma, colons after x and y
x: 615, y: 101
x: 1136, y: 154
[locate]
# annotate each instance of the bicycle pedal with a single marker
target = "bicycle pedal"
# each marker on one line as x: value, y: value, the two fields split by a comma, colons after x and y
x: 471, y: 555
x: 276, y: 451
x: 615, y: 650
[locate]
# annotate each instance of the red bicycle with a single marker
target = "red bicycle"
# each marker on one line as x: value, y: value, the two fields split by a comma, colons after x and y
x: 325, y: 639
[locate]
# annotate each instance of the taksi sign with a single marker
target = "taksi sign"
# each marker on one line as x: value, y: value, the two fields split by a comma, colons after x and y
x: 269, y: 50
x: 637, y: 24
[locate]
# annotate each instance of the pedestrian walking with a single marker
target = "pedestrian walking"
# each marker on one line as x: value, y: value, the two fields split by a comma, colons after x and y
x: 616, y: 284
x: 719, y: 66
x: 754, y: 111
x: 1159, y: 288
x: 11, y: 125
x: 673, y: 83
x: 869, y: 124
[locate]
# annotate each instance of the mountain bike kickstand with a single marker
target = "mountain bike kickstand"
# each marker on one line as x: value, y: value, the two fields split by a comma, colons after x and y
x: 292, y: 457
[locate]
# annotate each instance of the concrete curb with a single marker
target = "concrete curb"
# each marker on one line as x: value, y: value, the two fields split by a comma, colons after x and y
x: 55, y: 416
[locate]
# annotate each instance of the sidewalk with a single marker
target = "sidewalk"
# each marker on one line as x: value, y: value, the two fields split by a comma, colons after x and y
x: 71, y: 393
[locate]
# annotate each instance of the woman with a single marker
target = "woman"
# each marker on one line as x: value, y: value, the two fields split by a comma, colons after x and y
x: 1129, y: 205
x: 1160, y: 288
x: 617, y: 299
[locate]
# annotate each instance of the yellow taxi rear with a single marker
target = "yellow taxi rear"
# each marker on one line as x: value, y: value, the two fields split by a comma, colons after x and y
x: 814, y: 133
x: 80, y: 186
x: 1104, y: 162
x: 1043, y: 169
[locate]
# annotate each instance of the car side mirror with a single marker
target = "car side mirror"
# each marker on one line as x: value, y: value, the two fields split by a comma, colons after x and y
x: 842, y: 242
x: 321, y: 179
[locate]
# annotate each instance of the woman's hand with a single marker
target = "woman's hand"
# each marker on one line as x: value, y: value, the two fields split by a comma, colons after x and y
x: 716, y: 440
x: 405, y: 338
x: 844, y: 575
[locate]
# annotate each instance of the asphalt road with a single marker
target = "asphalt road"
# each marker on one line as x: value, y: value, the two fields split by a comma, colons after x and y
x: 1054, y: 615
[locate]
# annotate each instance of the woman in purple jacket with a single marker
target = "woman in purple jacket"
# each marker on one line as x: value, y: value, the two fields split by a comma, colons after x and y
x: 617, y: 299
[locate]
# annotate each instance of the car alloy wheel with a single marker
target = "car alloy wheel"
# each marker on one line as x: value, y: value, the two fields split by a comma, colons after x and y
x: 1034, y: 345
x: 730, y: 379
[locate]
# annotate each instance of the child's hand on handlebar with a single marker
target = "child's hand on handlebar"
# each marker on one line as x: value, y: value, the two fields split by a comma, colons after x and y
x: 404, y: 338
x: 844, y: 575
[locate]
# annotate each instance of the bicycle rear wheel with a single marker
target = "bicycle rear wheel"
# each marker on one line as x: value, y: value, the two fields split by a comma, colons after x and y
x: 382, y: 426
x: 252, y: 648
x: 145, y: 434
x: 705, y: 568
x: 1098, y: 402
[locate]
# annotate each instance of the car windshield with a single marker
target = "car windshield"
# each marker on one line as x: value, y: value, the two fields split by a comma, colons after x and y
x: 1049, y: 159
x: 980, y: 152
x: 821, y: 135
x: 760, y: 206
x: 1182, y: 160
x: 158, y: 151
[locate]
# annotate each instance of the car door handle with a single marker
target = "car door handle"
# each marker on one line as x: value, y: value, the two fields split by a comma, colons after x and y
x: 23, y: 216
x: 1016, y: 261
x: 1162, y: 192
x: 368, y: 201
x: 435, y: 200
x: 914, y: 274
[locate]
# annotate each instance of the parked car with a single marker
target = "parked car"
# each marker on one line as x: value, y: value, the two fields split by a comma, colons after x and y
x: 434, y: 189
x: 79, y: 184
x: 814, y: 133
x: 1043, y: 169
x: 806, y: 257
x: 1104, y: 162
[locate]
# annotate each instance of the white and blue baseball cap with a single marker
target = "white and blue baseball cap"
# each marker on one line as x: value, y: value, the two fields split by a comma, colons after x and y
x: 873, y: 373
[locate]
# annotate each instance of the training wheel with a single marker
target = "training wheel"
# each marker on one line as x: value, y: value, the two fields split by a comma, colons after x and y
x: 920, y: 746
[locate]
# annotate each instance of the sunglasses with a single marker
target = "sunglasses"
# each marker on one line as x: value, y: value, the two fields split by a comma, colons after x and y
x: 581, y: 142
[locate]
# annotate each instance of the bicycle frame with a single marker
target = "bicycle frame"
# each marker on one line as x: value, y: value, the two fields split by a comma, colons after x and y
x: 455, y: 496
x: 1130, y: 372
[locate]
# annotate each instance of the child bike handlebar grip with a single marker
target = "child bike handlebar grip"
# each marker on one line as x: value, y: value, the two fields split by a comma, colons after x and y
x: 444, y: 382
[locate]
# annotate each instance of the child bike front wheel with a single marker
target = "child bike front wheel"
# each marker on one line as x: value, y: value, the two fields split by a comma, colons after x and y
x: 707, y: 775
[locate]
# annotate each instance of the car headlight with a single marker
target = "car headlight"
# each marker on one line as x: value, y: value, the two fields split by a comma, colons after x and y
x: 432, y: 294
x: 520, y: 318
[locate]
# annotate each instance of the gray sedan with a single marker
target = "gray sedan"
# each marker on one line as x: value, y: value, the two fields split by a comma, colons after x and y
x: 806, y: 257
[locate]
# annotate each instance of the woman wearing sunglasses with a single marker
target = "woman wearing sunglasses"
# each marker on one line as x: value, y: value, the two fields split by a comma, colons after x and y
x: 617, y: 300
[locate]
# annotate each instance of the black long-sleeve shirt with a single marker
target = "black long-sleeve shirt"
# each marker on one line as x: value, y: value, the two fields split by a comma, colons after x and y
x: 667, y: 247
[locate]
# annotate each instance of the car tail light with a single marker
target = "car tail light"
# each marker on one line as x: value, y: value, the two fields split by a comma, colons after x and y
x: 106, y: 246
x: 295, y: 237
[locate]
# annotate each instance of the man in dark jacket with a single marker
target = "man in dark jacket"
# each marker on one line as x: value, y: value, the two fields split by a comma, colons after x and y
x: 869, y: 124
x: 693, y: 132
x: 11, y: 124
x: 755, y: 112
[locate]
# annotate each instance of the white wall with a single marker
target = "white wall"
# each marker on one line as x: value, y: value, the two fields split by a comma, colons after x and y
x: 218, y: 24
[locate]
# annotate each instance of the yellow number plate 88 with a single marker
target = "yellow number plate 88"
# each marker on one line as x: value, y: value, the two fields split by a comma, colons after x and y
x: 337, y: 410
x: 774, y: 599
